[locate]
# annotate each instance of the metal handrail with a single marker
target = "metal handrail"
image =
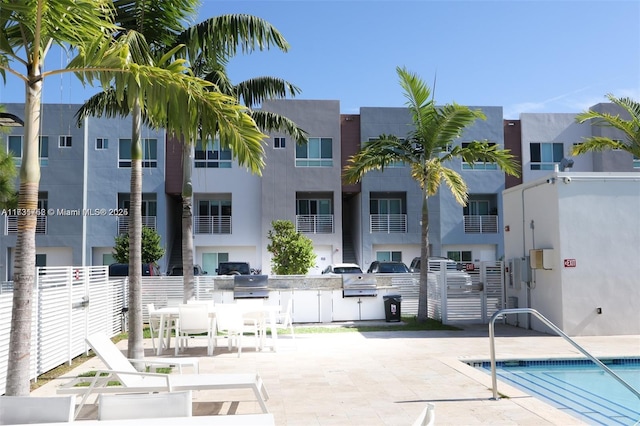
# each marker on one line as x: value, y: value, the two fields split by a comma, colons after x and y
x: 494, y: 381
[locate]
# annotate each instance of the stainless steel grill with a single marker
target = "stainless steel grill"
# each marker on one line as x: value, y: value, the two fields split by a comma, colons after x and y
x: 250, y: 286
x: 359, y: 285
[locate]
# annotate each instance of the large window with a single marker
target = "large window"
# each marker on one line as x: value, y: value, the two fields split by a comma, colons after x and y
x: 389, y: 256
x: 545, y: 155
x: 214, y: 217
x: 15, y: 146
x: 382, y: 206
x: 478, y: 165
x: 149, y: 153
x: 212, y: 156
x: 460, y: 255
x: 317, y: 152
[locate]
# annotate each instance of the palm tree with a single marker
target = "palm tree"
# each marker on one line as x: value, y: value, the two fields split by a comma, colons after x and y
x: 249, y: 93
x: 8, y: 196
x: 425, y: 152
x: 629, y: 127
x: 27, y: 31
x: 157, y: 44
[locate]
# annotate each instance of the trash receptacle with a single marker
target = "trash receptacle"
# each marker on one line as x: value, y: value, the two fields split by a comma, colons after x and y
x: 392, y: 307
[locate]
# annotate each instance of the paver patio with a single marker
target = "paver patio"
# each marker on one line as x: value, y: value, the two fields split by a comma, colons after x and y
x: 386, y: 377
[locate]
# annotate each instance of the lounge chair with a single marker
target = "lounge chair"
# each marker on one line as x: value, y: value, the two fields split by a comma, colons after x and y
x: 133, y: 381
x: 22, y: 410
x: 144, y: 406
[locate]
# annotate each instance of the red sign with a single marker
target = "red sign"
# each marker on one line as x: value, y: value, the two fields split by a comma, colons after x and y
x: 76, y: 274
x: 569, y: 263
x: 470, y: 267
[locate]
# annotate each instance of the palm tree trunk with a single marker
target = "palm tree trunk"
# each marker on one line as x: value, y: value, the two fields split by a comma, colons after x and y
x: 423, y: 297
x: 135, y: 347
x: 25, y: 256
x: 187, y: 223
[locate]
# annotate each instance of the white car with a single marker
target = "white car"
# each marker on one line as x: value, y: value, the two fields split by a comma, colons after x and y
x: 342, y: 268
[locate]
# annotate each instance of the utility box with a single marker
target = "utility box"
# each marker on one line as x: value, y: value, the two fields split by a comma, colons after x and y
x: 541, y: 258
x: 520, y: 271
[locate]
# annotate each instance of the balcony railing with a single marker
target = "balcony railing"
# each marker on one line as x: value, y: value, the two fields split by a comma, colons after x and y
x: 11, y: 226
x: 123, y: 223
x: 388, y: 223
x: 212, y: 224
x: 485, y: 224
x: 314, y: 223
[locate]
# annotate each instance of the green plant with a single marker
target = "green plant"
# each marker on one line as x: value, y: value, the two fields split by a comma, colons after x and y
x: 152, y: 249
x: 292, y: 252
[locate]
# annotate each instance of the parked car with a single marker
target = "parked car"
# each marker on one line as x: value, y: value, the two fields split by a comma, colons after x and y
x: 177, y: 271
x: 379, y: 267
x: 233, y: 268
x: 415, y: 263
x: 342, y: 268
x: 122, y: 270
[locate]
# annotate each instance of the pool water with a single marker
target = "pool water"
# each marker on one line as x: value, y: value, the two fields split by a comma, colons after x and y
x: 579, y: 387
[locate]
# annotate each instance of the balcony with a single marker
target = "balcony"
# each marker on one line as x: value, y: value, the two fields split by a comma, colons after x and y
x: 388, y: 223
x: 123, y: 223
x: 11, y: 225
x: 212, y: 224
x: 314, y: 223
x: 481, y: 224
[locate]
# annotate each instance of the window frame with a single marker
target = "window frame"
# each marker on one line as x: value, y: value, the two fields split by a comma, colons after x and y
x: 104, y: 144
x: 149, y: 158
x: 214, y: 158
x: 315, y: 151
x: 65, y: 141
x: 543, y: 163
x: 279, y: 143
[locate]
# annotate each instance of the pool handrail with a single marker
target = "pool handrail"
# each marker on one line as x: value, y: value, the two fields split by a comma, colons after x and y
x: 494, y: 380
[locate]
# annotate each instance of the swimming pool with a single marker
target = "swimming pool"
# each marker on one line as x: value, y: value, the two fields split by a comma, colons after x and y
x: 578, y: 387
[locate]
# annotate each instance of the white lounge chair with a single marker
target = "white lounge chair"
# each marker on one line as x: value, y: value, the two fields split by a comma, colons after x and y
x: 427, y: 417
x: 132, y: 381
x: 144, y: 406
x: 22, y: 410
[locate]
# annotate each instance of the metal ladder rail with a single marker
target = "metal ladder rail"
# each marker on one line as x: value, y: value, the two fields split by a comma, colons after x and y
x: 494, y: 381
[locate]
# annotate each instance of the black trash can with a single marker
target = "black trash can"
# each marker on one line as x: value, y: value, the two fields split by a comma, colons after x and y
x: 392, y: 307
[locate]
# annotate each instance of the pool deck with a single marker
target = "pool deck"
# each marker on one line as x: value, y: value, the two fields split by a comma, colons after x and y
x: 386, y: 377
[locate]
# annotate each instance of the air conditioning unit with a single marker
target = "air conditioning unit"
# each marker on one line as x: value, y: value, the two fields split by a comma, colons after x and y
x: 541, y: 258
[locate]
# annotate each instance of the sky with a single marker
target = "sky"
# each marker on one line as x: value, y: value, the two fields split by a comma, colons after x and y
x: 526, y: 56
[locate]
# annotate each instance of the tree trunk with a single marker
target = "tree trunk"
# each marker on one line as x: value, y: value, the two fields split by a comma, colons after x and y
x: 135, y: 348
x: 187, y: 223
x: 424, y: 260
x: 25, y: 255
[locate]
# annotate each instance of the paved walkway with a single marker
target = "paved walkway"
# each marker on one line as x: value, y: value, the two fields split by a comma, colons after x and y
x: 386, y: 378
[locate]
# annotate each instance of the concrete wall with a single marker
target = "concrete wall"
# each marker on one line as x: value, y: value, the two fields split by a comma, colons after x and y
x: 590, y: 220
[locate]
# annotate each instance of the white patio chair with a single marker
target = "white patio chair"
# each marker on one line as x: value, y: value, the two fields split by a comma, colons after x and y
x: 284, y: 320
x: 22, y: 410
x: 194, y: 321
x: 154, y: 327
x: 133, y: 381
x: 144, y: 406
x: 427, y: 417
x: 230, y: 320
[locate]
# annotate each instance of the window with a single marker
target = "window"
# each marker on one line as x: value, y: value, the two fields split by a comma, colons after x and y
x: 381, y: 206
x: 389, y: 256
x: 278, y: 143
x: 102, y: 143
x: 313, y: 207
x: 460, y: 256
x: 15, y: 147
x: 545, y: 155
x: 636, y: 162
x: 64, y: 142
x: 317, y: 152
x: 476, y: 208
x: 478, y: 165
x: 214, y: 217
x: 214, y: 157
x: 149, y: 153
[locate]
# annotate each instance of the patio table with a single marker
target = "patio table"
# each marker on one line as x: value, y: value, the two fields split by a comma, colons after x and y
x: 265, y: 313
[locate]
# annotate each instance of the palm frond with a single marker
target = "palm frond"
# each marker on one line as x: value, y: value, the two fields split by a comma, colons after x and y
x: 255, y: 90
x: 228, y: 33
x: 598, y: 143
x: 270, y: 122
x: 456, y: 184
x: 376, y: 155
x: 485, y: 152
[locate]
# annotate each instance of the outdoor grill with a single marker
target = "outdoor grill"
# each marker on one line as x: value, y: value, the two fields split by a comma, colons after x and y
x: 250, y: 287
x: 359, y: 285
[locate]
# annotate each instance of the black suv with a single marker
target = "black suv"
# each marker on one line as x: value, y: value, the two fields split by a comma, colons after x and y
x: 122, y: 270
x: 178, y: 271
x: 233, y: 268
x: 378, y: 267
